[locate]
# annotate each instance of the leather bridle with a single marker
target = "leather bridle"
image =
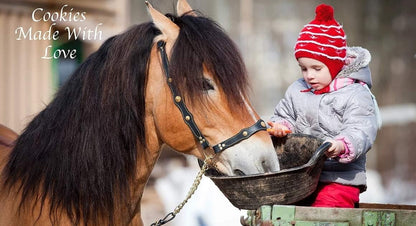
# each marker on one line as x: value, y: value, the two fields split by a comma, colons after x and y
x: 189, y: 119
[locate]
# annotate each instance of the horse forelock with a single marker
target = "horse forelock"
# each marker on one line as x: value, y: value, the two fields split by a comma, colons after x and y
x: 80, y: 152
x: 202, y: 42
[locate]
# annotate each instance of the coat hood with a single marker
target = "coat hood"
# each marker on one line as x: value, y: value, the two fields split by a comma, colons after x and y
x: 359, y: 59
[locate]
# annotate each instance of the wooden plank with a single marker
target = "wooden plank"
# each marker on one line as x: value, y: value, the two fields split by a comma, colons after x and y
x: 352, y: 216
x: 386, y: 206
x: 379, y: 214
x: 314, y: 223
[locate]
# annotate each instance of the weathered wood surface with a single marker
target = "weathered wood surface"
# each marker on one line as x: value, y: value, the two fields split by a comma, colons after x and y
x: 372, y: 214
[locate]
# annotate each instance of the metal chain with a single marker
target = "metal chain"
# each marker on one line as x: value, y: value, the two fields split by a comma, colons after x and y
x: 191, y: 191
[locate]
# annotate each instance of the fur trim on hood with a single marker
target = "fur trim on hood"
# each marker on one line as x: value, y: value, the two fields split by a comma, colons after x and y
x: 358, y: 59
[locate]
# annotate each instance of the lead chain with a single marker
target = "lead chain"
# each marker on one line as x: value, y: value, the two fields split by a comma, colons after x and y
x: 191, y: 191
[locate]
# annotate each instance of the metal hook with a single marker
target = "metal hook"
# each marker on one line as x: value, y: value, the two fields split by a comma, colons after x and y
x: 165, y: 220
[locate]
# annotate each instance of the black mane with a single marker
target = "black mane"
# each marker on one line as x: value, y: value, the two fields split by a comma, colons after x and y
x: 202, y: 41
x: 80, y: 152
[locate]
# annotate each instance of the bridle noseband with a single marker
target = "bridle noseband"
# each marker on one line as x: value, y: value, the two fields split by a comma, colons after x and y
x: 189, y: 119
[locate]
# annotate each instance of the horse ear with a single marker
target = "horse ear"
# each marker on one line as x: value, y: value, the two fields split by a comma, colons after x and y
x: 183, y: 7
x: 170, y: 30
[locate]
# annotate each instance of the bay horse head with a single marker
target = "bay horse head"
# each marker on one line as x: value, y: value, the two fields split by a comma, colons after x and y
x: 85, y: 159
x: 207, y: 69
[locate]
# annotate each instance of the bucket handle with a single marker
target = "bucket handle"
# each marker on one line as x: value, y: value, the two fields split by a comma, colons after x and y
x: 320, y: 151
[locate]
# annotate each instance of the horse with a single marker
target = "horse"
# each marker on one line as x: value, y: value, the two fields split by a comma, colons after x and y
x: 85, y: 159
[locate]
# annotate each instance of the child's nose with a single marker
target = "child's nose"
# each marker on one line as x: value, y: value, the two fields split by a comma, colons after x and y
x: 309, y: 74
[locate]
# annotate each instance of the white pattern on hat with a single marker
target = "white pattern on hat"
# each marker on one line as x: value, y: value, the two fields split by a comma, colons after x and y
x: 323, y: 34
x: 323, y: 26
x: 322, y: 54
x: 321, y: 44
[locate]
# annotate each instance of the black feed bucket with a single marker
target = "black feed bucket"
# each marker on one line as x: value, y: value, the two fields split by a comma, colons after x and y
x: 301, y: 160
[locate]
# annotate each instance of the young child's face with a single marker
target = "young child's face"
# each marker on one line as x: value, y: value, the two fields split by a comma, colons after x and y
x: 315, y: 73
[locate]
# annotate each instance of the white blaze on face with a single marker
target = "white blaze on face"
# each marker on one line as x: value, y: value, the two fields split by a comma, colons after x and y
x: 249, y: 109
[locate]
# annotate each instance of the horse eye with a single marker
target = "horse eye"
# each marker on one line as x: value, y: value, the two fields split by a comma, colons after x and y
x: 206, y: 85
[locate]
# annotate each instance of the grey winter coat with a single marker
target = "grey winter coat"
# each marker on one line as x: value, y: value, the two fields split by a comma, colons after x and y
x: 347, y: 114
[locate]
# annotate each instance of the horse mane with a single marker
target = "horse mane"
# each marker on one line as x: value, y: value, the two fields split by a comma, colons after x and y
x: 202, y: 42
x: 80, y: 152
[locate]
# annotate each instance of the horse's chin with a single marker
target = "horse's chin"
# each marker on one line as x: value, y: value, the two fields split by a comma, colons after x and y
x: 227, y: 170
x: 224, y: 169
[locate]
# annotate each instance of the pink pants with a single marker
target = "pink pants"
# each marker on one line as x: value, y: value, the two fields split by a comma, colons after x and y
x: 336, y: 195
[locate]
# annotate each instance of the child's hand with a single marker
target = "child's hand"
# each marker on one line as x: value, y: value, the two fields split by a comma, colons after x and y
x: 336, y: 149
x: 278, y: 130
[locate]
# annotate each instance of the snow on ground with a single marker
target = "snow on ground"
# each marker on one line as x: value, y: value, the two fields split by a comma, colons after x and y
x: 207, y: 207
x: 397, y: 191
x: 375, y: 192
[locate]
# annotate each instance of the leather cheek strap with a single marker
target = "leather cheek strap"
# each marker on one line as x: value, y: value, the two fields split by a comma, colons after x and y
x: 240, y: 136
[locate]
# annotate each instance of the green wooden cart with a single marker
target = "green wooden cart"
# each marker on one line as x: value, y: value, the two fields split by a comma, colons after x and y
x: 366, y: 214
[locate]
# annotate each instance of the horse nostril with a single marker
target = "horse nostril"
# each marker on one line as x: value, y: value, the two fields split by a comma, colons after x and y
x: 239, y: 172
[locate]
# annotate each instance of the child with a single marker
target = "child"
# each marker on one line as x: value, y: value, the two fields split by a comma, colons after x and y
x: 333, y: 102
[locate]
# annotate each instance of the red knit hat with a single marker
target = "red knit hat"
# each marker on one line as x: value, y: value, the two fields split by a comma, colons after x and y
x: 323, y: 39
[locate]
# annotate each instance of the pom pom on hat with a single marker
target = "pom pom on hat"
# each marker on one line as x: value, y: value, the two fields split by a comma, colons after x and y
x: 323, y: 39
x: 324, y: 13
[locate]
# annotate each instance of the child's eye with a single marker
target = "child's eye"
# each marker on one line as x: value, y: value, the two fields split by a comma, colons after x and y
x: 318, y: 69
x: 303, y: 69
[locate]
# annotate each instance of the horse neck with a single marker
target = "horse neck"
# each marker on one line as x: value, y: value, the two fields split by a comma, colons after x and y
x: 146, y: 162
